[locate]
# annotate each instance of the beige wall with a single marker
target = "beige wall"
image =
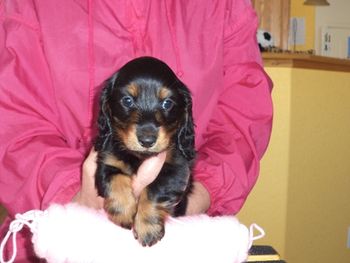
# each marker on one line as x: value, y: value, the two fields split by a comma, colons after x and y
x: 302, y: 198
x: 336, y: 14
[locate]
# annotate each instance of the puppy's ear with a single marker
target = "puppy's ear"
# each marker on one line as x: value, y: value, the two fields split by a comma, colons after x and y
x: 185, y: 136
x: 104, y: 120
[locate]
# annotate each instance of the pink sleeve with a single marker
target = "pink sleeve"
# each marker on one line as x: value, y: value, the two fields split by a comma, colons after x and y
x: 37, y: 166
x: 239, y: 130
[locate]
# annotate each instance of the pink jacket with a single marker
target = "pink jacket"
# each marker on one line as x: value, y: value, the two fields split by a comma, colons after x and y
x: 54, y: 55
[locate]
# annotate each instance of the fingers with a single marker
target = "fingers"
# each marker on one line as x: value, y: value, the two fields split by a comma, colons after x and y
x: 152, y: 165
x: 88, y: 195
x: 199, y: 200
x: 147, y: 172
x: 145, y: 175
x: 90, y: 162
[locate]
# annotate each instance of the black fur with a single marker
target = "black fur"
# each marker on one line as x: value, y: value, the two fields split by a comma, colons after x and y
x: 145, y: 114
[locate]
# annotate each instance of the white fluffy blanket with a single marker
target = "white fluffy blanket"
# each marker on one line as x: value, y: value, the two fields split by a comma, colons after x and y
x: 72, y: 233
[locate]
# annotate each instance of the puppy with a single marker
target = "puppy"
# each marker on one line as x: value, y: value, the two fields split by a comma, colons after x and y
x: 144, y: 110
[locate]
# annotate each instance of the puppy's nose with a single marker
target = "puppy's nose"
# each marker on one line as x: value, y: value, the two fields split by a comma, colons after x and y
x: 147, y: 141
x: 147, y: 135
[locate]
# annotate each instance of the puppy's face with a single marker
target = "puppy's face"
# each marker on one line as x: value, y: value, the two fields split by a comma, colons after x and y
x: 146, y: 115
x: 148, y: 105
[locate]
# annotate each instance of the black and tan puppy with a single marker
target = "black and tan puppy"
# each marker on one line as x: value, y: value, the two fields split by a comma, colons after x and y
x: 144, y: 110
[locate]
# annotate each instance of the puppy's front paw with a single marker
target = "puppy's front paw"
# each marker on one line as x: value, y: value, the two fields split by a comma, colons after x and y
x: 148, y: 231
x: 149, y: 221
x: 121, y: 204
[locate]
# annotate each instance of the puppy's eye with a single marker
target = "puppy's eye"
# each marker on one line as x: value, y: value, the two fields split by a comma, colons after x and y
x: 167, y: 104
x: 127, y: 101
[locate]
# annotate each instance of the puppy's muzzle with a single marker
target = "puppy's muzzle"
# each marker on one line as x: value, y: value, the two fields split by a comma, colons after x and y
x: 147, y: 134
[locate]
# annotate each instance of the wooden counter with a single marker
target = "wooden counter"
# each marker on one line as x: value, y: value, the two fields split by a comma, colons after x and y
x: 296, y: 60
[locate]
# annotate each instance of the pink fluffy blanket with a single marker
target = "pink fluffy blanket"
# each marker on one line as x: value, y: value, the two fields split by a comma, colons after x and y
x: 72, y: 233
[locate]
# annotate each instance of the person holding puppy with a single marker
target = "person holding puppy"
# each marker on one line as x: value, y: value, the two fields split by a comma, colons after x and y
x: 56, y: 54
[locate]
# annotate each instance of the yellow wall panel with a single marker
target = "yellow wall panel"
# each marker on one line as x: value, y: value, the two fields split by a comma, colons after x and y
x: 267, y: 203
x: 302, y: 197
x: 298, y: 9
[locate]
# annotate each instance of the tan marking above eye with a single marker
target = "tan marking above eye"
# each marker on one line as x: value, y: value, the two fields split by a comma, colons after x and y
x: 163, y: 93
x: 133, y: 89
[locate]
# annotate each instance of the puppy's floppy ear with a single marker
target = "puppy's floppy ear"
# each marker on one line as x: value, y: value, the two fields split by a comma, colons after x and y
x: 104, y: 121
x: 185, y: 136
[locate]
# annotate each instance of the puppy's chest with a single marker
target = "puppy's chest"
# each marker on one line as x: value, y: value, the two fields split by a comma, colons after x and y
x: 127, y: 163
x: 174, y: 166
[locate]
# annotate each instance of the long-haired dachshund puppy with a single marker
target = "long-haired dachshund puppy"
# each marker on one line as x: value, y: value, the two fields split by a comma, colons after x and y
x: 144, y: 110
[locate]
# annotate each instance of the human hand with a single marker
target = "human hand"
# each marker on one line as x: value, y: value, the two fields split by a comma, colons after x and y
x: 88, y: 195
x: 199, y: 200
x: 147, y: 172
x: 145, y: 175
